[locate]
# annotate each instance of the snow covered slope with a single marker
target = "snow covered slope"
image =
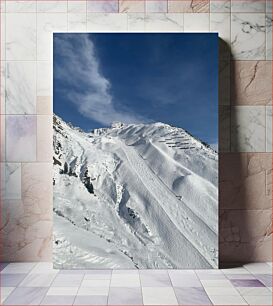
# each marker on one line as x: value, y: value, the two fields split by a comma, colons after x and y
x: 134, y: 196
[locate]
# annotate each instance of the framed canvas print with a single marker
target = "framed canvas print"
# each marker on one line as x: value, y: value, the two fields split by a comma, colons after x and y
x: 135, y: 150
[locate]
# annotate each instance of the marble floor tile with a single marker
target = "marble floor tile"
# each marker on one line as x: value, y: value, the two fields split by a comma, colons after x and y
x: 93, y: 291
x: 246, y: 283
x: 213, y: 291
x: 220, y: 6
x: 258, y: 268
x: 266, y: 279
x: 20, y: 88
x: 258, y: 299
x: 66, y: 280
x: 44, y: 268
x: 240, y: 276
x: 90, y: 300
x: 16, y: 268
x: 5, y: 292
x: 11, y: 280
x: 3, y: 265
x: 96, y: 283
x: 62, y: 291
x: 58, y: 300
x: 131, y: 6
x: 198, y: 22
x: 151, y: 278
x: 125, y: 280
x: 125, y: 296
x: 248, y: 36
x: 97, y: 276
x: 216, y: 283
x: 159, y: 296
x: 102, y: 6
x: 192, y: 296
x: 21, y: 36
x: 248, y: 129
x: 20, y: 138
x: 160, y: 22
x: 155, y: 6
x: 248, y: 6
x: 107, y: 22
x: 246, y: 291
x: 180, y: 279
x: 26, y: 296
x: 38, y: 280
x: 227, y: 300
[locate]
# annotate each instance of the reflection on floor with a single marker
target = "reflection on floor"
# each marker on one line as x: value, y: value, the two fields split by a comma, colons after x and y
x: 39, y: 284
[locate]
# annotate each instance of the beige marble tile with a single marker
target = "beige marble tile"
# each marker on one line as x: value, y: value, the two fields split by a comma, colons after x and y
x: 20, y: 36
x: 248, y: 129
x: 220, y: 6
x: 21, y: 6
x: 188, y: 6
x: 44, y: 78
x: 248, y: 6
x: 252, y: 83
x: 52, y: 6
x: 20, y: 138
x: 106, y: 22
x: 131, y: 6
x: 245, y: 235
x: 224, y: 128
x: 160, y: 22
x: 44, y: 105
x: 198, y: 22
x: 47, y: 23
x: 156, y: 6
x: 224, y: 82
x: 21, y: 87
x: 77, y: 6
x: 77, y: 22
x: 136, y: 22
x: 44, y: 138
x: 244, y: 181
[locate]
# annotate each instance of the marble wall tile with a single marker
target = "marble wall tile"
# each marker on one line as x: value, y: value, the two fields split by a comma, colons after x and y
x: 11, y: 181
x: 224, y: 128
x: 3, y: 6
x: 160, y: 22
x: 244, y: 181
x: 248, y: 36
x: 102, y: 6
x: 245, y: 235
x: 3, y: 36
x: 20, y: 87
x: 224, y: 82
x: 248, y: 6
x: 3, y: 87
x: 77, y: 22
x: 20, y: 138
x: 77, y: 6
x: 188, y: 6
x: 248, y: 129
x: 3, y: 138
x: 44, y: 138
x: 47, y: 24
x: 52, y: 6
x: 196, y: 22
x: 131, y: 6
x: 136, y: 22
x: 44, y: 105
x: 21, y: 6
x: 268, y: 128
x: 251, y: 83
x: 156, y: 6
x: 268, y: 23
x: 100, y: 22
x: 220, y: 6
x: 20, y: 36
x: 269, y: 6
x: 44, y: 78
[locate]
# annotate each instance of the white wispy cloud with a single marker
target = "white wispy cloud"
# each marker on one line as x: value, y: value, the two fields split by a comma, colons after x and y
x: 79, y: 70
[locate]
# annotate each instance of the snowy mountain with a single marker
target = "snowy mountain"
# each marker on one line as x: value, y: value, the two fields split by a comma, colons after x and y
x: 134, y: 196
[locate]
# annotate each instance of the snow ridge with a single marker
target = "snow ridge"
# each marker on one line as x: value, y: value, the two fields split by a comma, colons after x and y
x: 134, y: 196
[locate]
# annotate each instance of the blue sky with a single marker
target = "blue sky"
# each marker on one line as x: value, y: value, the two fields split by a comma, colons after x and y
x: 133, y: 78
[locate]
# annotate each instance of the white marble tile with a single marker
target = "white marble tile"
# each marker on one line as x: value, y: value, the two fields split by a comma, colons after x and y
x: 37, y: 280
x: 5, y: 292
x: 44, y: 138
x: 136, y: 22
x: 216, y: 283
x: 3, y: 88
x: 160, y: 22
x: 268, y: 23
x: 18, y: 268
x: 52, y: 6
x: 12, y: 181
x: 77, y: 22
x: 89, y: 291
x: 78, y: 6
x: 239, y: 270
x: 44, y: 78
x: 21, y: 36
x: 96, y: 283
x: 159, y: 296
x: 103, y: 22
x: 227, y: 300
x: 21, y: 87
x: 248, y: 6
x: 213, y: 291
x: 44, y: 268
x: 3, y: 138
x: 246, y: 291
x: 268, y: 128
x: 46, y: 25
x: 21, y: 6
x: 102, y: 6
x: 196, y: 22
x: 125, y: 280
x: 20, y: 138
x: 3, y: 6
x: 258, y: 299
x: 258, y: 268
x: 220, y: 6
x: 156, y: 6
x: 248, y: 36
x: 269, y: 6
x: 62, y: 291
x: 3, y: 36
x: 220, y: 23
x: 248, y: 129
